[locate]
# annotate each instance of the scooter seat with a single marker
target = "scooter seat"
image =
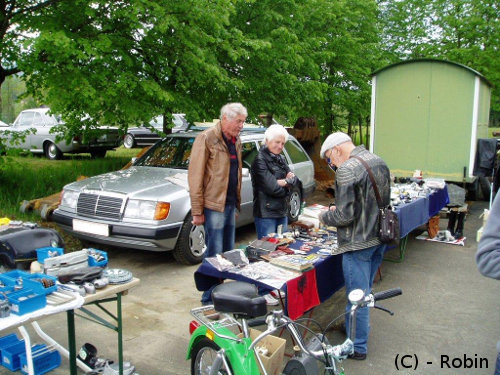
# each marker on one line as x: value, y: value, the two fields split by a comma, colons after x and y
x: 239, y: 298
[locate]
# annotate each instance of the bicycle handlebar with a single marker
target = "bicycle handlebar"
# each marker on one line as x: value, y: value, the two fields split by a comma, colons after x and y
x: 389, y: 293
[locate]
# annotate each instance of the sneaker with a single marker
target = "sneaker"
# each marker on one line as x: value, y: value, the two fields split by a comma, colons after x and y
x: 270, y: 300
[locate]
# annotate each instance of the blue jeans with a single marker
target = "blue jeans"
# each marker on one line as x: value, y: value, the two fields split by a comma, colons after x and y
x: 266, y: 225
x: 219, y: 237
x: 359, y: 268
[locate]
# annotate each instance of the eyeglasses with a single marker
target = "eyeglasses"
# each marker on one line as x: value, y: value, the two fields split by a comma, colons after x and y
x: 329, y: 162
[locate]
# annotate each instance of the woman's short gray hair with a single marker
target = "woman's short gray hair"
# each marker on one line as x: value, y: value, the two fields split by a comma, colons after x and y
x: 275, y: 131
x: 231, y: 110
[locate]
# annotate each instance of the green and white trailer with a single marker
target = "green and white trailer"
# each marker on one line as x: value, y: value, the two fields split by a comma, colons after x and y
x: 427, y: 115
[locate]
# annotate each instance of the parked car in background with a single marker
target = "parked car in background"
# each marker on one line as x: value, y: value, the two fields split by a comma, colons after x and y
x: 142, y: 136
x: 42, y: 141
x: 148, y: 206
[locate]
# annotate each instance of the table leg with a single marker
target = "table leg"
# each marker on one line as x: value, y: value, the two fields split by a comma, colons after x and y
x: 71, y: 341
x: 402, y: 250
x: 27, y: 344
x: 120, y: 331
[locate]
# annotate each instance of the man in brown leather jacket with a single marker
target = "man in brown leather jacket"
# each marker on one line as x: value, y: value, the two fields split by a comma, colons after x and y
x: 214, y: 178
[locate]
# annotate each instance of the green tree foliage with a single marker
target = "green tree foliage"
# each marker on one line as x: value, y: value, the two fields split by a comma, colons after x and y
x: 123, y: 62
x: 462, y: 31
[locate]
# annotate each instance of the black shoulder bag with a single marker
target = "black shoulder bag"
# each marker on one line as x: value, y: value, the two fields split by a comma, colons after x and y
x: 388, y: 223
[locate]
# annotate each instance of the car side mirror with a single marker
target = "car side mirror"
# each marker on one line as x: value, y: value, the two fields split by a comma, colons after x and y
x: 245, y: 172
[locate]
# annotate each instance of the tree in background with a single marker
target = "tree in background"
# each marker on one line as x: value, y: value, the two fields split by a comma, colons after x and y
x: 465, y: 32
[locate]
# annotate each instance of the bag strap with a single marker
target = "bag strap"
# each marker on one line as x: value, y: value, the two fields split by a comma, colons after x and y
x: 372, y: 179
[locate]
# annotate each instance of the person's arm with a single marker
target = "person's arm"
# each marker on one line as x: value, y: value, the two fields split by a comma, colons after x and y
x: 343, y: 213
x: 488, y: 250
x: 196, y: 173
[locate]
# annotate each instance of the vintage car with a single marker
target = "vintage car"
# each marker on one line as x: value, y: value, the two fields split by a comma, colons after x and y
x: 142, y: 136
x: 40, y: 139
x: 20, y: 240
x: 148, y: 207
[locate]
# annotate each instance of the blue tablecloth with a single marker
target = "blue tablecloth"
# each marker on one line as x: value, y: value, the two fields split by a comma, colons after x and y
x: 416, y: 213
x: 329, y: 276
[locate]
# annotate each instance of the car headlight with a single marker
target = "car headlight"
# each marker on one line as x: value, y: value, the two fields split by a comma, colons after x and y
x: 69, y: 198
x: 148, y: 210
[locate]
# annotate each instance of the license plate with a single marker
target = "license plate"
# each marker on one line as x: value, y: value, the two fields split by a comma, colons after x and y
x: 89, y: 227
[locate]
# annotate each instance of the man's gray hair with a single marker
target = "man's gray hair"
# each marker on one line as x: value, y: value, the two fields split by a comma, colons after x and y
x: 231, y: 110
x: 275, y: 131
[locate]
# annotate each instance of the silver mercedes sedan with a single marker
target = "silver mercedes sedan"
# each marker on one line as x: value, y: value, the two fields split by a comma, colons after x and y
x: 148, y: 207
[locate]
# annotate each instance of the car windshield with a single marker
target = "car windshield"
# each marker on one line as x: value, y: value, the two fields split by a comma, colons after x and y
x: 172, y: 152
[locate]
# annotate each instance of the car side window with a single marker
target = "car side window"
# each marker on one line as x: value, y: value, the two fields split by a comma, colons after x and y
x: 248, y: 153
x: 25, y: 119
x: 50, y: 120
x: 295, y: 152
x: 38, y: 120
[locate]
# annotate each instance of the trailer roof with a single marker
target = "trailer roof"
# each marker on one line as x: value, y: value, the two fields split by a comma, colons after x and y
x: 434, y: 60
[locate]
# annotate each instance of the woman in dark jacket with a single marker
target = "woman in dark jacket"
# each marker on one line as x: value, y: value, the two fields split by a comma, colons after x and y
x: 271, y: 179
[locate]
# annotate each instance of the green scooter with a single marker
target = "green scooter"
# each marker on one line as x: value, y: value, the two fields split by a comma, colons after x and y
x: 220, y: 336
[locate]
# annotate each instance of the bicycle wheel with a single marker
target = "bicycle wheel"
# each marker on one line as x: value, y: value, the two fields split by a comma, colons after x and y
x: 202, y: 357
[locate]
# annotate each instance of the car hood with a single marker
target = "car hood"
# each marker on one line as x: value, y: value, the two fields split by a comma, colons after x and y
x: 141, y: 182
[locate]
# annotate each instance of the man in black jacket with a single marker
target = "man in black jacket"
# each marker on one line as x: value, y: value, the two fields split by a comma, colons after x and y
x: 356, y: 218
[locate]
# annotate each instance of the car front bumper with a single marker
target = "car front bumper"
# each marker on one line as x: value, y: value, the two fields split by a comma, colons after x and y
x: 162, y: 238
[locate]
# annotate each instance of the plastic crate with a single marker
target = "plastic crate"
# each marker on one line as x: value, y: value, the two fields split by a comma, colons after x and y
x: 44, y: 360
x: 30, y: 281
x: 92, y: 260
x: 48, y: 252
x: 40, y: 282
x: 26, y: 301
x: 11, y: 353
x: 6, y: 341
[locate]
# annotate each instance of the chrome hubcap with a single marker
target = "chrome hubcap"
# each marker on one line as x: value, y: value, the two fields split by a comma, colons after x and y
x: 197, y: 240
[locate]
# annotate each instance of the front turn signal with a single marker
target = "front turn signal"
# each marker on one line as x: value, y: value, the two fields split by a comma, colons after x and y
x: 162, y: 210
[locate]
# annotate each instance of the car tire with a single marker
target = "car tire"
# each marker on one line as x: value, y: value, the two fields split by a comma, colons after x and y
x: 129, y: 141
x: 294, y: 204
x: 190, y: 245
x: 52, y: 152
x: 95, y: 154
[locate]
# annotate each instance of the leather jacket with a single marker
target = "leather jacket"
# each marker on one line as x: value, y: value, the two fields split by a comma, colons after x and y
x: 269, y: 199
x: 356, y: 213
x: 208, y: 173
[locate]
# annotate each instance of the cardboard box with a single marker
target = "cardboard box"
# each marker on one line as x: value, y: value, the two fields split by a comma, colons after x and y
x: 273, y: 361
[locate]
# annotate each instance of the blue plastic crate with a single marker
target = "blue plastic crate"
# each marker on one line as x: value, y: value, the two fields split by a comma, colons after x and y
x: 31, y: 281
x: 48, y: 252
x: 26, y: 301
x: 93, y: 261
x: 6, y: 341
x: 40, y: 282
x: 11, y: 353
x: 10, y: 278
x: 44, y: 360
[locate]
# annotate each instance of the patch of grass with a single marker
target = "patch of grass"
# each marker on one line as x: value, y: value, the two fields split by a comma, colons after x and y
x: 30, y: 177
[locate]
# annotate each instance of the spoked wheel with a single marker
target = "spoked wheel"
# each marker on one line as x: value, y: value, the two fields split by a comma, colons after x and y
x: 203, y: 356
